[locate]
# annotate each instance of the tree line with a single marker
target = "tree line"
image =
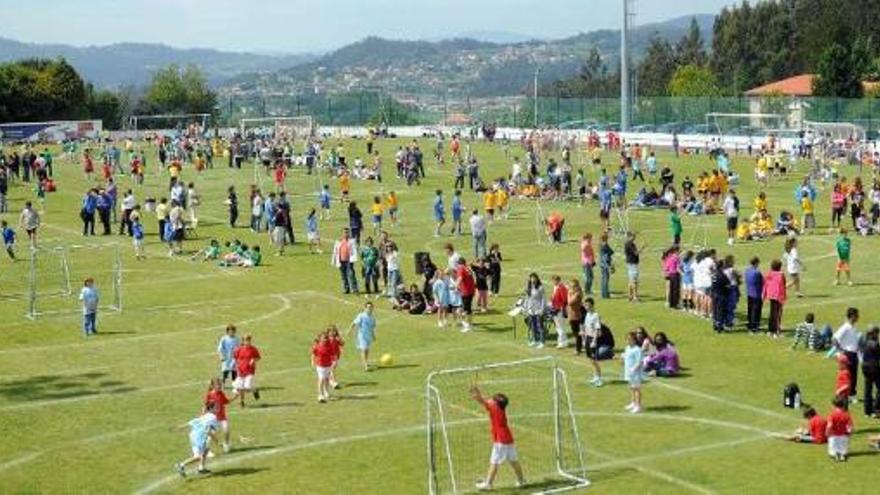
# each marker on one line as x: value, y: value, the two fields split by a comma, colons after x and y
x: 752, y: 45
x: 42, y: 89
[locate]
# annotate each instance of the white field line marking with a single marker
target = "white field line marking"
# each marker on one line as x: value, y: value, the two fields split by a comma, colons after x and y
x: 238, y: 459
x: 20, y: 460
x: 105, y: 395
x: 287, y: 305
x: 679, y: 452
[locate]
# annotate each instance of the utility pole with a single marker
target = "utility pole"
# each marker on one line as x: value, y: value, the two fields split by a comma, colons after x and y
x: 537, y: 71
x: 625, y: 111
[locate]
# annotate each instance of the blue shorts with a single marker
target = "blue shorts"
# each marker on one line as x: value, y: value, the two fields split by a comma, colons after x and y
x: 439, y: 218
x: 377, y: 218
x: 363, y: 343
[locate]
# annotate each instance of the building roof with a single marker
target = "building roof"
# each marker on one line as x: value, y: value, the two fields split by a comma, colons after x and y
x: 800, y: 85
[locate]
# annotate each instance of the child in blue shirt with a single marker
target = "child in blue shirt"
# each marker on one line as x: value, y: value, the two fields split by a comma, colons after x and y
x: 439, y: 212
x: 325, y: 201
x: 137, y: 234
x: 457, y: 210
x: 8, y: 239
x: 632, y: 372
x: 202, y: 430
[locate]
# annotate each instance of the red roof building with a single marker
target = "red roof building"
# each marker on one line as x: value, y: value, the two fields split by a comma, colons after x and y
x: 801, y: 85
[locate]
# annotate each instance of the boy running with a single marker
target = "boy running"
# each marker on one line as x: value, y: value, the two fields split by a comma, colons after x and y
x: 503, y: 448
x: 201, y: 430
x: 226, y: 350
x: 246, y: 357
x: 8, y: 239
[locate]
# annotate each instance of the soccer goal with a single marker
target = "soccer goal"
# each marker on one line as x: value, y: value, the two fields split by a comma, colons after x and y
x: 540, y: 415
x: 744, y: 124
x: 47, y: 285
x: 279, y: 128
x: 192, y: 124
x: 835, y: 131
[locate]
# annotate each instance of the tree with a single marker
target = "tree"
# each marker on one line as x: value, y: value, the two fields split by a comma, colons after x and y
x: 173, y: 90
x: 40, y: 89
x: 691, y: 80
x: 837, y: 74
x: 690, y: 49
x: 657, y: 68
x: 106, y: 106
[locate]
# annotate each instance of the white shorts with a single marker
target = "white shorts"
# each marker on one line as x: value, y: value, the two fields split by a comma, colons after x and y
x: 323, y: 373
x: 503, y: 452
x: 224, y: 425
x: 687, y: 286
x: 243, y: 383
x: 838, y: 445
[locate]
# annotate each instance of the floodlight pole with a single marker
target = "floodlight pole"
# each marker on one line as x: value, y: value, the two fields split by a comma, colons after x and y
x: 624, y: 69
x: 537, y: 71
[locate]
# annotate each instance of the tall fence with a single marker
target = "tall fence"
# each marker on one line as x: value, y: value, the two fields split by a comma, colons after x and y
x: 649, y: 113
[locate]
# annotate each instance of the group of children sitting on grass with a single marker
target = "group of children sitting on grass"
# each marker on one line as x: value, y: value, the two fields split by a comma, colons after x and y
x: 232, y: 253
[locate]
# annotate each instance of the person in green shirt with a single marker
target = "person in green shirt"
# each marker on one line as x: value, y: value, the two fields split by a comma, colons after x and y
x: 370, y: 264
x: 253, y: 258
x: 675, y: 225
x: 844, y: 248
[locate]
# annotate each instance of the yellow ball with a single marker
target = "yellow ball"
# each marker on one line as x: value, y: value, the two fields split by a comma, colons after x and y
x: 386, y: 360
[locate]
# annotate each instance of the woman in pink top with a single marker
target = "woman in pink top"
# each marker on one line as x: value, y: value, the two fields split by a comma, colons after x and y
x: 838, y: 205
x: 774, y: 291
x: 588, y: 260
x: 670, y: 262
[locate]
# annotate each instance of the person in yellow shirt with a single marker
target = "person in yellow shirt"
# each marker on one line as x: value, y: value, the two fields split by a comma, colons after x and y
x: 762, y: 171
x: 761, y: 202
x: 162, y: 216
x: 376, y: 210
x: 344, y: 186
x: 501, y: 201
x: 391, y: 204
x: 808, y: 220
x: 489, y: 204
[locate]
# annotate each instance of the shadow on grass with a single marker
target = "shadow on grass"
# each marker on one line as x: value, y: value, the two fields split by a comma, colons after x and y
x: 864, y: 453
x: 54, y: 387
x: 264, y: 405
x: 395, y: 367
x: 254, y: 448
x: 667, y: 409
x: 359, y: 384
x: 356, y: 397
x: 240, y: 471
x: 116, y: 332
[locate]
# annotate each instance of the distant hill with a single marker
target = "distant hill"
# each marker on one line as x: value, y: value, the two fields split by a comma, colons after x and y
x: 133, y: 63
x: 462, y: 66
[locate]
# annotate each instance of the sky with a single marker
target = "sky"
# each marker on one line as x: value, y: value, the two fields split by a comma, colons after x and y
x: 297, y: 26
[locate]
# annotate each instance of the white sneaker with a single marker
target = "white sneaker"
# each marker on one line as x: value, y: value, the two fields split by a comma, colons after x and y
x: 539, y: 345
x: 520, y: 483
x: 440, y: 324
x: 226, y: 448
x: 211, y: 454
x: 561, y: 345
x: 532, y: 344
x: 483, y: 486
x: 730, y: 242
x: 629, y: 407
x: 636, y: 410
x: 465, y: 329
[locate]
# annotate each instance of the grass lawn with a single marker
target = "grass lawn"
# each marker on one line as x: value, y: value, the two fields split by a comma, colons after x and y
x: 97, y: 415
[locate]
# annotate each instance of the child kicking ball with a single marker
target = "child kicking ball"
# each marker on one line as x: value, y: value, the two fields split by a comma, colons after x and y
x: 503, y: 448
x: 202, y: 430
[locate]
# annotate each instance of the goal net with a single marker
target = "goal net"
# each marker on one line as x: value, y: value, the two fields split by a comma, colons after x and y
x: 278, y: 128
x: 745, y: 125
x: 835, y: 131
x: 49, y: 279
x: 540, y: 415
x: 185, y: 124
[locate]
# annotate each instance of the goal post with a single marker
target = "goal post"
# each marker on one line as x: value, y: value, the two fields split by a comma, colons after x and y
x: 540, y: 414
x: 835, y: 131
x: 299, y: 127
x: 740, y: 124
x: 196, y: 123
x: 49, y: 289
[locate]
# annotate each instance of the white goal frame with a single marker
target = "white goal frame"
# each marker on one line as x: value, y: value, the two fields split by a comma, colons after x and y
x: 134, y: 120
x: 560, y: 391
x: 712, y: 119
x: 276, y: 123
x: 821, y: 128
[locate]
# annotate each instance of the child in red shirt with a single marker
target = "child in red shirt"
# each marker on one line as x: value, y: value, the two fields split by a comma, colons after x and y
x: 216, y: 396
x: 503, y: 449
x: 337, y: 344
x: 246, y: 357
x: 323, y: 354
x: 814, y: 432
x: 839, y: 429
x: 844, y: 378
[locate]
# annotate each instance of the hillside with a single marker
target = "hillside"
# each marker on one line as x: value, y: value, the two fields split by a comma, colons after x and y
x: 133, y: 63
x: 458, y: 66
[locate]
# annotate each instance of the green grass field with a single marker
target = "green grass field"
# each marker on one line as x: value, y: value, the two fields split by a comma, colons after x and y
x: 96, y: 416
